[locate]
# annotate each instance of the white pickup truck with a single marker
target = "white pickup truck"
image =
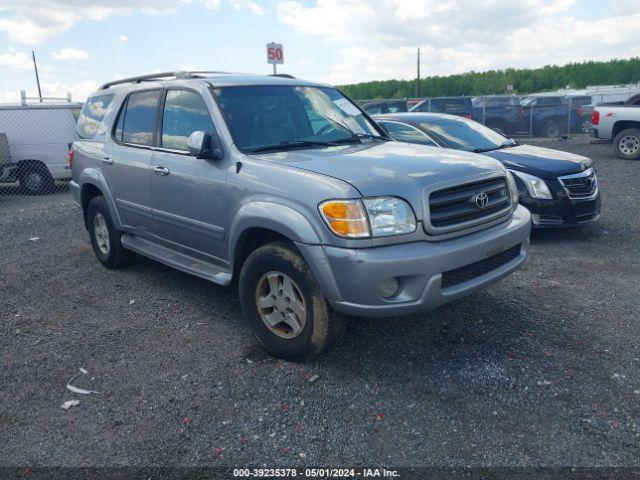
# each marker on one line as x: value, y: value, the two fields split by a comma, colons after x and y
x: 620, y: 125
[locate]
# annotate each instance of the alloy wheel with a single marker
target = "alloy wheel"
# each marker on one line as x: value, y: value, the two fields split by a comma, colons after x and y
x: 280, y: 304
x: 101, y: 233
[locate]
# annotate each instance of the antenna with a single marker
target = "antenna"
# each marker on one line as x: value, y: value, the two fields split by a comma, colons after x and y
x: 35, y: 67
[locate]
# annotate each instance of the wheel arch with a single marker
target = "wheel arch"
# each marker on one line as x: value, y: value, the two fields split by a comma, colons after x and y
x: 623, y: 125
x: 260, y: 222
x: 93, y: 184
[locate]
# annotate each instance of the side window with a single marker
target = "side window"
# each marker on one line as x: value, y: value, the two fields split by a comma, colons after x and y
x: 374, y: 109
x: 137, y: 119
x: 406, y: 133
x: 184, y: 113
x: 92, y: 115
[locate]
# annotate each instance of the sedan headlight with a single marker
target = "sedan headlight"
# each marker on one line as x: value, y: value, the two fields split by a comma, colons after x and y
x: 536, y: 187
x: 371, y: 217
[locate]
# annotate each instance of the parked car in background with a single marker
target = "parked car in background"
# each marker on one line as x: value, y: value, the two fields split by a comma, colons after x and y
x: 586, y: 112
x: 461, y: 106
x: 620, y: 125
x: 498, y: 112
x: 635, y: 100
x: 234, y: 176
x: 559, y: 188
x: 551, y: 116
x: 38, y: 138
x: 385, y: 106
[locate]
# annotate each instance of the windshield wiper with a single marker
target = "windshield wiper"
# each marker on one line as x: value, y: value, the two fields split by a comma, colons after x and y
x: 359, y: 135
x: 288, y: 144
x: 499, y: 147
x: 356, y: 138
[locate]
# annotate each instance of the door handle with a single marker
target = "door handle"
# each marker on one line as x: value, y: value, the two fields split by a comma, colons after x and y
x: 107, y: 160
x: 161, y: 170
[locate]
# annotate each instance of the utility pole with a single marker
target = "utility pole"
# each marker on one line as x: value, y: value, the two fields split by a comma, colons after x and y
x: 35, y: 67
x: 418, y: 77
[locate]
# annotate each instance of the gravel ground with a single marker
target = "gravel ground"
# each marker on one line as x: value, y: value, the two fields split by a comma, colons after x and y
x: 540, y: 369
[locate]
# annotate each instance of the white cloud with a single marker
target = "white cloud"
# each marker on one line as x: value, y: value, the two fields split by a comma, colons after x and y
x: 15, y: 60
x: 70, y: 54
x: 253, y: 7
x: 377, y: 39
x: 124, y: 38
x: 33, y: 21
x: 79, y: 91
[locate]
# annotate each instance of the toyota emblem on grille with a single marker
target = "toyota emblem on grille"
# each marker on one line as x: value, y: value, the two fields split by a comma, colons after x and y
x: 481, y: 200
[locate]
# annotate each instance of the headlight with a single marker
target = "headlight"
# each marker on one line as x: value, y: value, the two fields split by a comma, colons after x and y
x: 389, y: 216
x: 386, y: 216
x: 536, y: 187
x: 513, y: 189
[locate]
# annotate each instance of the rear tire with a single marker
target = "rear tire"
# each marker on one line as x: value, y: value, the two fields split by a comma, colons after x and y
x: 552, y: 130
x: 35, y: 178
x: 283, y: 303
x: 626, y: 145
x: 105, y: 239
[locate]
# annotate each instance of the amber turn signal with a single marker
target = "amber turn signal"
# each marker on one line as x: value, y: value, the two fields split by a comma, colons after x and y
x: 345, y: 218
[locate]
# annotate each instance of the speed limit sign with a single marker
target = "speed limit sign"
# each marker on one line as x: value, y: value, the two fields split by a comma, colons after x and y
x: 275, y: 54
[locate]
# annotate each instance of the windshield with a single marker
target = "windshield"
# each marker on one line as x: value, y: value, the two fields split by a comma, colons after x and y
x: 466, y: 135
x: 263, y: 117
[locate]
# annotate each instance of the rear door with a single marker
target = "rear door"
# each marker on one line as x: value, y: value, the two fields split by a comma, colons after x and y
x: 188, y: 194
x: 127, y: 159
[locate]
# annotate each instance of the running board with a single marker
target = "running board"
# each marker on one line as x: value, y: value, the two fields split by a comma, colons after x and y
x: 177, y: 260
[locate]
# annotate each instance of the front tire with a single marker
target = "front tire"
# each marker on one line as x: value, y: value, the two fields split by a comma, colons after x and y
x: 283, y: 303
x: 626, y: 145
x: 105, y: 239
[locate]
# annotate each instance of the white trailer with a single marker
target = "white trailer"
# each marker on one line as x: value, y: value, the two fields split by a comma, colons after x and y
x: 38, y: 137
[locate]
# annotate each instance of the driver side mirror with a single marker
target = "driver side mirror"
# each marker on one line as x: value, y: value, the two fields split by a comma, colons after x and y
x: 201, y: 146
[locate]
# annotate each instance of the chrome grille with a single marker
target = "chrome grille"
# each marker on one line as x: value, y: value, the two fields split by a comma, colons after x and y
x: 458, y: 207
x: 580, y: 185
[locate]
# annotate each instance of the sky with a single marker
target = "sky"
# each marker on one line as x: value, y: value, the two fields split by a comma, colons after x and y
x: 80, y: 44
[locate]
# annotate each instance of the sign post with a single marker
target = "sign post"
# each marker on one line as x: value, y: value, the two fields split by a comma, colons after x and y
x: 275, y: 55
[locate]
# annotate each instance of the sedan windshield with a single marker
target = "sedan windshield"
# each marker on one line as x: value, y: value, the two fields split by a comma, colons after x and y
x: 268, y: 117
x: 467, y: 135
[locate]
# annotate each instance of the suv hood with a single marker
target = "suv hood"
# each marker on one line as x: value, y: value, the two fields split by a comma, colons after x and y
x: 389, y: 168
x: 539, y: 161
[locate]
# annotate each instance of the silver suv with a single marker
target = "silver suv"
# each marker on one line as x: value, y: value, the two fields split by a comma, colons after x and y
x: 289, y: 187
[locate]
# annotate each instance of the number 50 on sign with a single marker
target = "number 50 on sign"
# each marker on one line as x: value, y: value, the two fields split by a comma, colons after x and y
x: 275, y: 53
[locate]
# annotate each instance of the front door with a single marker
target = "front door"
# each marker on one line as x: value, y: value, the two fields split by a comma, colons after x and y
x: 188, y: 194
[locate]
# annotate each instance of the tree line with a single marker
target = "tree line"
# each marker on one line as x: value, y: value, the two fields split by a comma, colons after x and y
x: 547, y: 78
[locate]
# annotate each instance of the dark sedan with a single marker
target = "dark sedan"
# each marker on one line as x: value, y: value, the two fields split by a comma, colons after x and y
x: 559, y: 188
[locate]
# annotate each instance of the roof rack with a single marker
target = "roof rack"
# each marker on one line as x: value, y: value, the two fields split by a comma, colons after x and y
x: 160, y: 76
x: 282, y: 75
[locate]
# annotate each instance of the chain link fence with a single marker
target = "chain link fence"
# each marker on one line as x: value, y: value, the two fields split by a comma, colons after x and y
x: 542, y: 115
x: 34, y: 147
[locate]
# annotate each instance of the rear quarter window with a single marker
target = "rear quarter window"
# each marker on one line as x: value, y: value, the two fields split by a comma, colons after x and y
x: 92, y: 115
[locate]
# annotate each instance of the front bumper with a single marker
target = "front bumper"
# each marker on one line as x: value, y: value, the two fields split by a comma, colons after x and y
x: 350, y: 278
x: 561, y: 211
